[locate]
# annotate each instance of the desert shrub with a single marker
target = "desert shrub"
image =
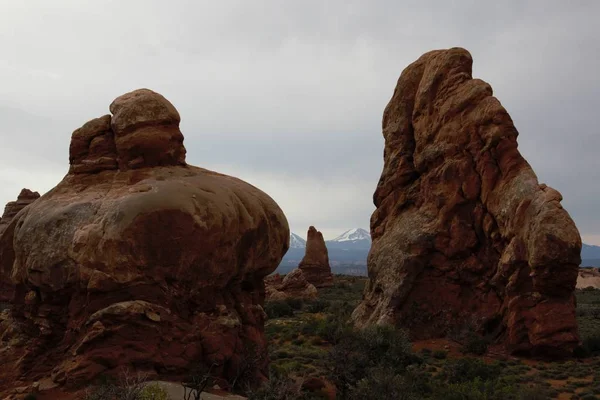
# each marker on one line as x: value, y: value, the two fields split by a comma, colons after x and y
x: 591, y: 343
x: 357, y: 353
x: 278, y: 388
x: 294, y: 303
x: 384, y: 383
x: 467, y: 335
x: 127, y: 387
x: 475, y: 344
x: 469, y: 369
x: 153, y: 392
x: 476, y: 389
x: 317, y: 306
x: 199, y: 378
x: 310, y: 326
x: 102, y: 391
x: 278, y: 309
x: 341, y: 308
x: 251, y: 361
x: 440, y: 354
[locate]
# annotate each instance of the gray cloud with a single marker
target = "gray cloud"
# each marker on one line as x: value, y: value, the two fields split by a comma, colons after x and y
x: 289, y: 95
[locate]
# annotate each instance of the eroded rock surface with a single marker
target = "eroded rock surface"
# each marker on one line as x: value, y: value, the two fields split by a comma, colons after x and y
x: 137, y: 259
x: 315, y: 264
x: 292, y: 285
x: 588, y: 277
x: 11, y: 209
x: 463, y: 231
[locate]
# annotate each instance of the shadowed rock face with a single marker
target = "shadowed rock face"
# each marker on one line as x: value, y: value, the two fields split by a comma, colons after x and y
x: 315, y: 264
x: 137, y: 259
x: 463, y: 231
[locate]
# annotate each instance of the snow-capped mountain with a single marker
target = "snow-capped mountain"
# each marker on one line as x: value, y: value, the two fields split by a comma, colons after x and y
x: 352, y: 239
x: 352, y: 235
x: 296, y: 242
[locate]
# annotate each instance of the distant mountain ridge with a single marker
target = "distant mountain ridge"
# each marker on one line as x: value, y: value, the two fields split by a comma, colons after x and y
x: 356, y: 238
x: 590, y: 251
x: 348, y: 253
x: 590, y: 255
x: 353, y: 239
x: 296, y: 242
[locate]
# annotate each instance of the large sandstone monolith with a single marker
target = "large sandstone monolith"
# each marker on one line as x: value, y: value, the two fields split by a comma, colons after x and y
x: 315, y: 264
x: 463, y: 231
x: 136, y: 259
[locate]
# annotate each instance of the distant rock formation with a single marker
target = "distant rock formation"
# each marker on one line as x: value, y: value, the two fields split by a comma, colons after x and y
x: 12, y: 208
x: 137, y: 259
x: 292, y: 285
x: 463, y: 231
x: 315, y: 264
x: 588, y: 277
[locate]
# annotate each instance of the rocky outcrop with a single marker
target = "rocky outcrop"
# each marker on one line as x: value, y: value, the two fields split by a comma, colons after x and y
x: 292, y: 285
x: 137, y: 259
x: 315, y: 264
x: 463, y: 231
x: 12, y: 208
x: 588, y: 277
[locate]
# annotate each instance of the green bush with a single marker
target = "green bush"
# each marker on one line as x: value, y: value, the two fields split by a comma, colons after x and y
x: 475, y: 344
x: 476, y: 389
x: 591, y: 343
x: 30, y: 396
x: 440, y: 354
x: 317, y: 306
x: 384, y: 383
x: 469, y: 369
x: 153, y: 392
x: 294, y: 303
x: 278, y: 309
x: 357, y: 353
x: 278, y: 388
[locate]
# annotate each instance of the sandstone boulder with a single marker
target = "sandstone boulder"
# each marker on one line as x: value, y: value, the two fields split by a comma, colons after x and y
x: 292, y: 285
x: 588, y: 277
x: 463, y: 231
x: 137, y: 259
x: 315, y: 264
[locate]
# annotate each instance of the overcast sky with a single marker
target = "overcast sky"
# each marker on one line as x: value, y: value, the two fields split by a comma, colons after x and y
x: 288, y: 95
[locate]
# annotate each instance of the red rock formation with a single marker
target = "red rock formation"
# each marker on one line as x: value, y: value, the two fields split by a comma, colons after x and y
x: 137, y: 259
x: 588, y: 277
x: 293, y: 285
x: 315, y: 264
x: 11, y: 209
x: 463, y: 230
